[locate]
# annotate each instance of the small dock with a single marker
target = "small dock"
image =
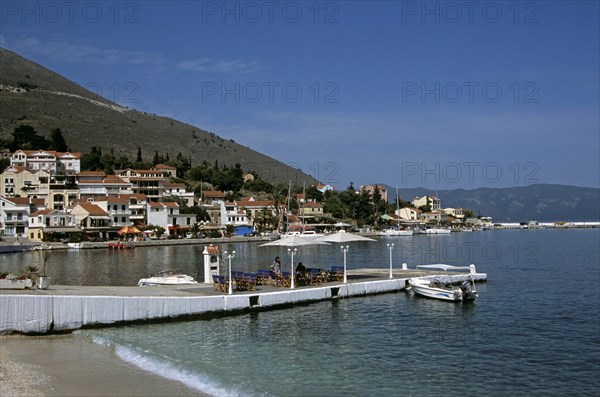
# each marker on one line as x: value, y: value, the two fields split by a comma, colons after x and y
x: 67, y: 308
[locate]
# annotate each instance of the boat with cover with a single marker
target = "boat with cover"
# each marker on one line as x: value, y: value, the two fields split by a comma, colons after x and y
x: 167, y: 277
x: 458, y: 287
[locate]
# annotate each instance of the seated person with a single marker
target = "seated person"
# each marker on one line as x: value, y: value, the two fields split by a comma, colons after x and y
x: 275, y: 269
x: 300, y: 268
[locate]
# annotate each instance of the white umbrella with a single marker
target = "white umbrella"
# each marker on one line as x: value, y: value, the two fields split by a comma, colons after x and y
x: 292, y: 242
x: 344, y: 237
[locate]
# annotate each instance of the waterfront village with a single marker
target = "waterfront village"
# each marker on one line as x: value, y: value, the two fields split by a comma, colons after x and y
x: 46, y: 196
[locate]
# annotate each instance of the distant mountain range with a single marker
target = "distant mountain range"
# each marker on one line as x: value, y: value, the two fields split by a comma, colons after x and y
x: 540, y: 202
x: 33, y: 95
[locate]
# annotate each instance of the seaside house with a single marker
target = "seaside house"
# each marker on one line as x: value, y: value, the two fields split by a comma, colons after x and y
x: 117, y: 209
x: 19, y: 181
x: 311, y: 209
x: 371, y: 189
x: 324, y: 187
x: 95, y: 183
x: 44, y: 223
x: 213, y: 197
x: 454, y: 212
x: 138, y: 203
x: 259, y: 212
x: 167, y: 170
x: 92, y: 219
x: 15, y: 212
x: 434, y: 217
x: 56, y: 190
x: 433, y: 202
x: 409, y: 214
x: 150, y: 183
x: 55, y: 163
x: 166, y: 215
x: 179, y: 190
x: 232, y: 214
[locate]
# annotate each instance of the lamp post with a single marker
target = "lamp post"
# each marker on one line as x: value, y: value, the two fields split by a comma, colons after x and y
x: 390, y: 247
x: 229, y: 256
x: 345, y: 250
x: 292, y: 252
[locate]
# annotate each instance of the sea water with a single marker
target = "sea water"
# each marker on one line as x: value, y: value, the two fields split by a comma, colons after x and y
x: 533, y: 331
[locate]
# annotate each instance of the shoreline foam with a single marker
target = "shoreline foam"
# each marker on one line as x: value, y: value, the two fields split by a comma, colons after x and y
x: 71, y: 365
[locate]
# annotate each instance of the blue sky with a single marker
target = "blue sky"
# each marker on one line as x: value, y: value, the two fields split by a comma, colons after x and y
x: 437, y: 94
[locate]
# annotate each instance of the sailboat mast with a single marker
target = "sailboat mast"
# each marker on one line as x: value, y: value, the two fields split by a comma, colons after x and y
x: 397, y: 208
x: 303, y: 201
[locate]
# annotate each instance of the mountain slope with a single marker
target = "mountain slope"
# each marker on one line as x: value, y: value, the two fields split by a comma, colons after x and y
x: 541, y: 202
x: 33, y: 95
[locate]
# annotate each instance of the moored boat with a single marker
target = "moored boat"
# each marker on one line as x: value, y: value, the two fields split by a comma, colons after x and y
x: 437, y: 230
x: 167, y: 277
x: 449, y: 287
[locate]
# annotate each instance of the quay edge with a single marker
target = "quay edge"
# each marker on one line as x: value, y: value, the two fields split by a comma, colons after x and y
x: 31, y: 313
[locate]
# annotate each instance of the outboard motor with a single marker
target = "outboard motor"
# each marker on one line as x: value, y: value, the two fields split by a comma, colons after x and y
x: 467, y: 290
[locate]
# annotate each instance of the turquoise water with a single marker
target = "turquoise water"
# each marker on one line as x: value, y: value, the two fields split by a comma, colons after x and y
x: 533, y: 331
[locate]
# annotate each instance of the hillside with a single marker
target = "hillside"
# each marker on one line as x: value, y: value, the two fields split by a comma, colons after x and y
x: 540, y: 202
x: 33, y: 95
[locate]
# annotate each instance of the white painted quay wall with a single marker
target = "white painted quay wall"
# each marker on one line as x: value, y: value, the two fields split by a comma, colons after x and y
x: 23, y: 313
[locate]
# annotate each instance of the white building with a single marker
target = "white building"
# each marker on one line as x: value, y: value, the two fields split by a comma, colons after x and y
x: 179, y: 190
x: 433, y: 202
x: 44, y: 222
x: 14, y: 214
x: 409, y: 214
x: 117, y: 209
x: 167, y: 216
x: 233, y: 215
x: 455, y: 212
x: 55, y: 163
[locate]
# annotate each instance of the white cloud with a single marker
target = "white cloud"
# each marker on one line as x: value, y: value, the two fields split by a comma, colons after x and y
x: 218, y: 65
x: 69, y: 51
x: 79, y: 52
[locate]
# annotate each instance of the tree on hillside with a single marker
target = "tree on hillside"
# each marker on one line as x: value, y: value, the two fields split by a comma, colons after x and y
x: 138, y: 159
x: 312, y: 193
x: 92, y: 161
x: 25, y: 137
x: 58, y: 141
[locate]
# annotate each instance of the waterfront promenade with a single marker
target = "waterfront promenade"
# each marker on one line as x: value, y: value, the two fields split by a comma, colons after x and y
x: 66, y: 308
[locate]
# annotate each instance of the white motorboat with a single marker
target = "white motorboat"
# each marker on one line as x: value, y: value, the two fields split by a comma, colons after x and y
x: 437, y: 230
x: 395, y: 232
x: 167, y: 277
x: 449, y: 287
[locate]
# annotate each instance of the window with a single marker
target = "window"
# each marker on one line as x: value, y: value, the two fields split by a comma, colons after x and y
x: 123, y: 207
x: 116, y: 219
x: 123, y: 219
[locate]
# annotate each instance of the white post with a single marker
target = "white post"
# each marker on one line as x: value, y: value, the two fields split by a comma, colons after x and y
x: 292, y: 252
x: 207, y: 274
x: 345, y: 250
x: 390, y: 248
x: 229, y: 256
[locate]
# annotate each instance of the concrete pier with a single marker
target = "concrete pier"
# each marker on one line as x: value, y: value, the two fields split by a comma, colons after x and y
x: 66, y: 308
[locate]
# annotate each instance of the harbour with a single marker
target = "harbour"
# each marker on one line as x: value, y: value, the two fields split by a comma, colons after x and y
x: 513, y: 335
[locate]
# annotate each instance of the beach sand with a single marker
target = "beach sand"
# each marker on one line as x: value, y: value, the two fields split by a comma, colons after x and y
x: 70, y: 365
